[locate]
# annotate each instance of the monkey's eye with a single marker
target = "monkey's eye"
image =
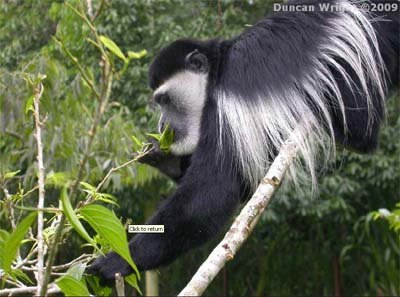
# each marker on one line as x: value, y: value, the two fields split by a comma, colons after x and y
x: 162, y: 99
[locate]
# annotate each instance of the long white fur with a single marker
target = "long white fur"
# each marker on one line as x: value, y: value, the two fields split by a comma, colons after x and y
x: 256, y: 126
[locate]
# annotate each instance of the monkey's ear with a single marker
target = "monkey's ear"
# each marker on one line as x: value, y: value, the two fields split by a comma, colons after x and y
x: 196, y: 61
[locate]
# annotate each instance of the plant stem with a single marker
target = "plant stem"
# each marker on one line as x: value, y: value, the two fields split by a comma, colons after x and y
x: 114, y: 169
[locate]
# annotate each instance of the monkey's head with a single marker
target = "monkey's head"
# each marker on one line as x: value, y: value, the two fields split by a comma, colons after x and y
x: 179, y: 77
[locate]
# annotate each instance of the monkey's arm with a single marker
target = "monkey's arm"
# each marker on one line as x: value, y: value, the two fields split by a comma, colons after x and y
x: 193, y: 214
x: 172, y: 166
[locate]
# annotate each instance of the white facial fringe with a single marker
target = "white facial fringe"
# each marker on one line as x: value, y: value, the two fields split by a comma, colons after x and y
x: 255, y: 127
x: 189, y: 91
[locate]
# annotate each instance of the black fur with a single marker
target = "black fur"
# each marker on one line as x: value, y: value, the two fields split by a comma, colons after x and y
x: 268, y: 56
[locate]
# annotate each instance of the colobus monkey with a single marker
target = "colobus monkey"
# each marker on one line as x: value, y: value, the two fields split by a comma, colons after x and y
x: 232, y: 104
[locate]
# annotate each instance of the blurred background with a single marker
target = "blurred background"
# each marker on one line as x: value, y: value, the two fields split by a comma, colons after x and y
x: 328, y: 244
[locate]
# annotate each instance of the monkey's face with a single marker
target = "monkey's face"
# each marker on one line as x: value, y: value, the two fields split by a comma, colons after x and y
x: 181, y: 99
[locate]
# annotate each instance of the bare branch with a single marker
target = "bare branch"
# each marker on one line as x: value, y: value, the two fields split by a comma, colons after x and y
x: 81, y: 258
x: 27, y: 260
x: 41, y: 176
x: 243, y: 224
x: 89, y: 8
x: 16, y: 283
x: 25, y: 290
x: 119, y: 284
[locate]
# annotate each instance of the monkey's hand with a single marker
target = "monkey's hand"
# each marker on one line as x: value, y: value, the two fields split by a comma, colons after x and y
x: 107, y: 266
x: 155, y: 156
x: 172, y: 166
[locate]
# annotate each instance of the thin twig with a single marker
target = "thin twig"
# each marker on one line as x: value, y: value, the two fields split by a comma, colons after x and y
x: 43, y: 209
x: 219, y: 19
x: 10, y: 208
x: 114, y: 169
x: 91, y: 26
x: 98, y: 12
x: 81, y: 258
x: 60, y: 42
x: 17, y: 283
x: 26, y: 259
x: 26, y: 290
x: 41, y: 176
x: 197, y: 30
x: 30, y: 191
x: 14, y: 134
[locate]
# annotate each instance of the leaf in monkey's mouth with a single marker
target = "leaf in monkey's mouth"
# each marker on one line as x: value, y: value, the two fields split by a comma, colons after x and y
x: 165, y: 139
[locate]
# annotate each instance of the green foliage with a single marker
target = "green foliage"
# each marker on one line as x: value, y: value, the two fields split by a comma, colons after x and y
x: 70, y: 286
x: 11, y: 243
x: 109, y: 44
x: 11, y: 174
x: 96, y: 196
x: 109, y: 227
x: 393, y: 217
x: 94, y: 284
x: 133, y: 281
x: 15, y: 45
x: 137, y: 55
x: 72, y: 217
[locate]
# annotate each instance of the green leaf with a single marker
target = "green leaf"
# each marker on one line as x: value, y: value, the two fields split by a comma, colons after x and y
x: 107, y: 198
x: 137, y: 55
x: 109, y: 227
x: 132, y: 280
x: 4, y: 235
x: 19, y: 274
x: 166, y: 139
x: 39, y: 78
x: 77, y: 270
x: 108, y: 43
x: 13, y: 242
x: 72, y: 217
x: 155, y: 136
x: 11, y: 174
x: 72, y: 287
x: 29, y: 104
x: 94, y: 283
x: 57, y: 179
x: 88, y: 186
x: 137, y: 144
